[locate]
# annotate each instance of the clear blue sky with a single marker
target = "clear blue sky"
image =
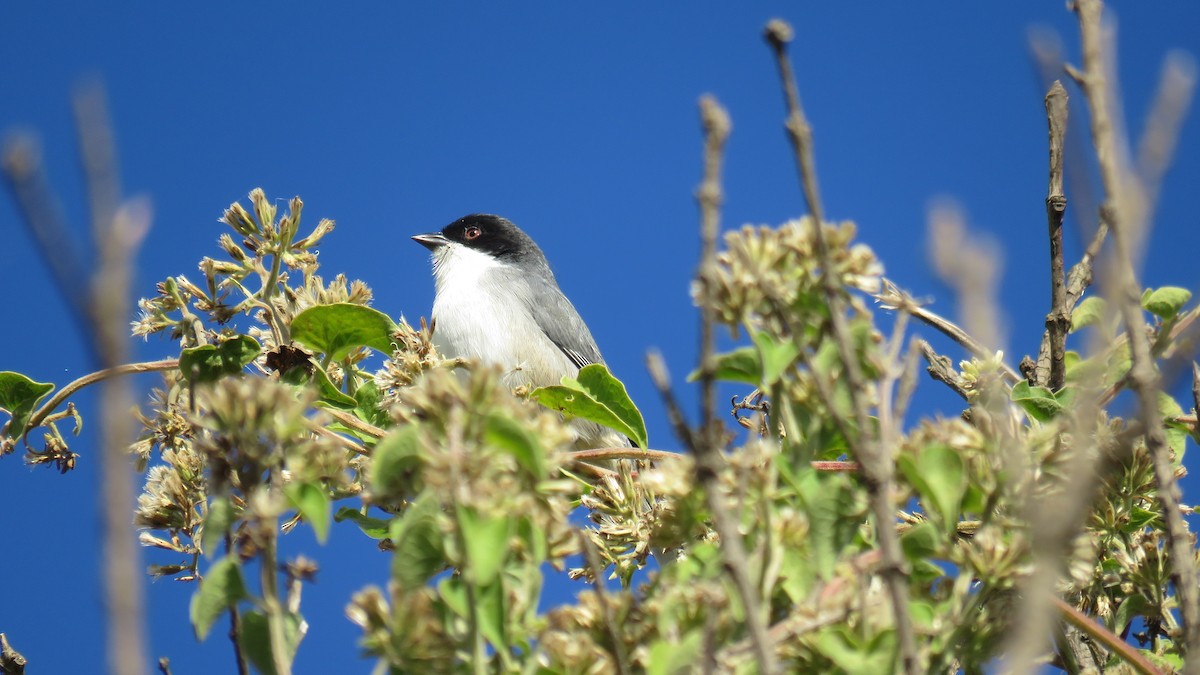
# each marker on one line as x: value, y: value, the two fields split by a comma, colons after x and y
x: 578, y: 124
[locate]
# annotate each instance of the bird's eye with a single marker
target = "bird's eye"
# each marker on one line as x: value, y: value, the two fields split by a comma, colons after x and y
x: 472, y: 232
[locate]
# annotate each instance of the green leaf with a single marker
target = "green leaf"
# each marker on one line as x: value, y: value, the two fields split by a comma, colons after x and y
x: 1165, y: 302
x: 828, y: 499
x: 254, y: 635
x: 776, y: 357
x: 328, y: 393
x: 505, y: 433
x: 336, y: 330
x: 396, y: 463
x: 1176, y: 432
x: 418, y: 541
x: 595, y: 395
x: 375, y: 528
x: 453, y: 592
x: 486, y: 541
x: 1088, y: 312
x: 209, y: 363
x: 221, y: 588
x: 740, y: 365
x: 19, y: 395
x: 924, y: 615
x: 1038, y: 402
x: 857, y: 657
x: 218, y: 521
x: 491, y: 611
x: 921, y: 541
x: 313, y: 504
x: 670, y: 657
x: 367, y: 397
x: 939, y: 475
x: 1133, y: 605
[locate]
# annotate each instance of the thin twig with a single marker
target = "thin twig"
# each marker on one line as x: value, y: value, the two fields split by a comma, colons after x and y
x: 42, y: 214
x: 1128, y: 224
x: 92, y: 378
x: 118, y: 231
x: 876, y: 468
x: 894, y: 298
x: 339, y: 439
x: 1058, y: 321
x: 705, y: 442
x: 1099, y: 633
x: 1160, y: 138
x: 355, y: 423
x: 604, y: 454
x: 1196, y: 389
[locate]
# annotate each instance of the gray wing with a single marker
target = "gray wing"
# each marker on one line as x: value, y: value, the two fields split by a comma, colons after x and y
x: 557, y: 318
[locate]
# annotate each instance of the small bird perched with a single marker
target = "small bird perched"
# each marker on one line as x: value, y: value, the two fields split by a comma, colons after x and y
x: 497, y: 302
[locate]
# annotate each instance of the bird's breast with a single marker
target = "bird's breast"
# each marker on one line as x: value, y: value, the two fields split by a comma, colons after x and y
x: 483, y: 319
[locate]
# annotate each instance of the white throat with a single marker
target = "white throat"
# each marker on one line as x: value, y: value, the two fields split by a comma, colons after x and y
x: 459, y: 269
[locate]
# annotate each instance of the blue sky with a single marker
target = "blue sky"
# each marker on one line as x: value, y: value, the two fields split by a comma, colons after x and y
x: 577, y: 123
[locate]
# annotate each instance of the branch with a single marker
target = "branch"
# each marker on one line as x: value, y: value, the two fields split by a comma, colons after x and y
x: 92, y: 378
x: 1128, y: 212
x: 1058, y: 321
x: 118, y: 230
x: 356, y: 423
x: 1100, y: 634
x: 705, y: 442
x: 876, y: 468
x: 893, y: 297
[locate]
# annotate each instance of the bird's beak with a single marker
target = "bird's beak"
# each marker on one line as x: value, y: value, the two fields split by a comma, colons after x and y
x: 432, y: 241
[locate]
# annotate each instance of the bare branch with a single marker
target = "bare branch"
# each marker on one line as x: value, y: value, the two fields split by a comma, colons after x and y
x: 876, y: 467
x: 893, y: 297
x: 1127, y: 207
x: 118, y: 230
x: 1160, y: 138
x: 1101, y: 634
x: 1058, y: 321
x: 706, y: 441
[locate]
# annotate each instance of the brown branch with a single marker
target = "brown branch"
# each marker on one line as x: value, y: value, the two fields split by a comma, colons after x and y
x: 1058, y: 321
x: 705, y: 442
x: 1195, y: 390
x: 356, y: 423
x: 1128, y: 225
x: 118, y: 230
x: 42, y: 215
x: 92, y: 378
x: 1099, y: 633
x: 893, y: 297
x: 606, y: 454
x: 876, y: 467
x: 1160, y: 137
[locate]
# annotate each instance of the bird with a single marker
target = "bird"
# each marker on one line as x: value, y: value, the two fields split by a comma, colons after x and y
x: 496, y: 302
